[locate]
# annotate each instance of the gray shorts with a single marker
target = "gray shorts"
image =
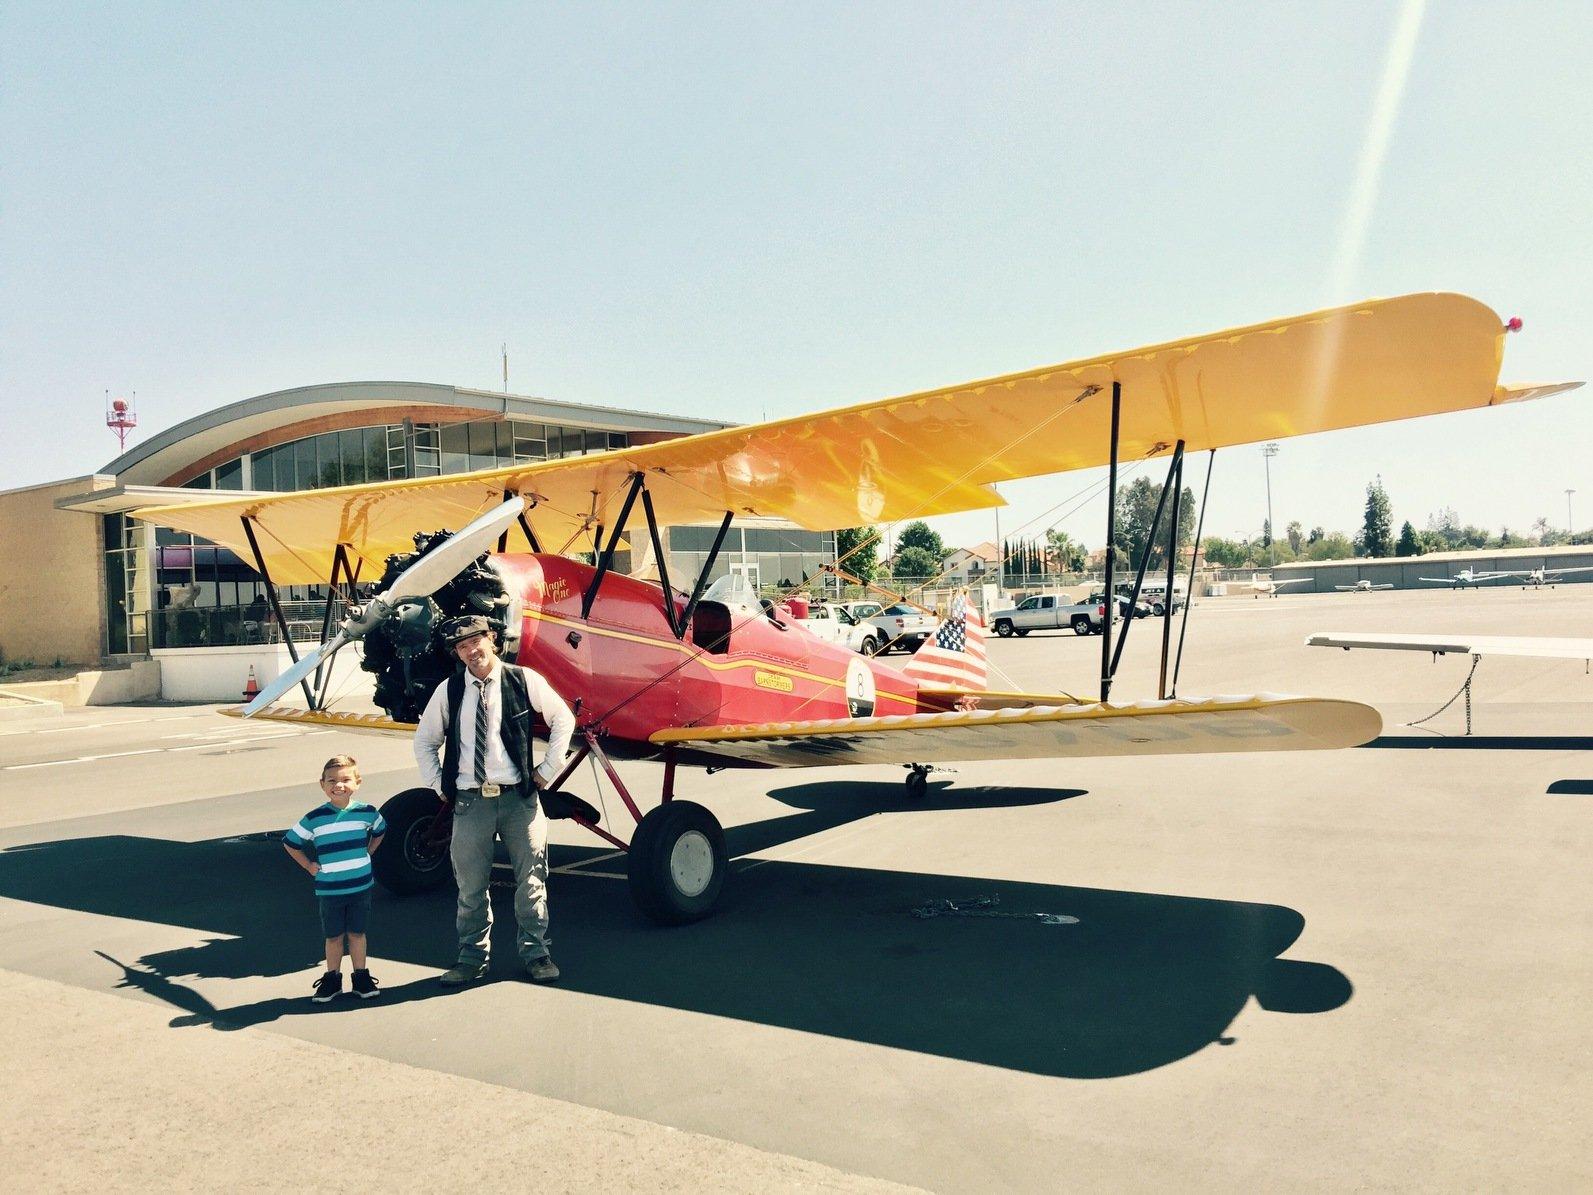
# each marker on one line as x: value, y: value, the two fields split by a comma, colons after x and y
x: 345, y: 914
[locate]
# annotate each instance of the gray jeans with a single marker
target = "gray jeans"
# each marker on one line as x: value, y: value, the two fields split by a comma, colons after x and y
x: 524, y: 830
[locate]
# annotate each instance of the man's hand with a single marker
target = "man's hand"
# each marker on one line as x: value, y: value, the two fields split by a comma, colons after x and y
x: 313, y: 868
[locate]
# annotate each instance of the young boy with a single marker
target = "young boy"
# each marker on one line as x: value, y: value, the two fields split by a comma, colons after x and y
x: 341, y: 835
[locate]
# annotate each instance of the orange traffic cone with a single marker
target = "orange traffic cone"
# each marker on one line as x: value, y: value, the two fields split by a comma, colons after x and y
x: 251, y: 687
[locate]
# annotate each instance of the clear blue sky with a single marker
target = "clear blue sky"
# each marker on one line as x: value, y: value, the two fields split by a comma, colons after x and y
x: 738, y: 211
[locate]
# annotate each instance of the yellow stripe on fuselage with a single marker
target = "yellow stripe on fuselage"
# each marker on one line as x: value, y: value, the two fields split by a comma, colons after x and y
x: 763, y: 663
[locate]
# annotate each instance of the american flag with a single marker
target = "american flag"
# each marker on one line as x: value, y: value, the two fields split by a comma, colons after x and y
x: 954, y: 656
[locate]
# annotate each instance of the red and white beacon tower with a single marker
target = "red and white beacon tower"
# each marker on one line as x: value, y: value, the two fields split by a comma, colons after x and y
x: 120, y: 417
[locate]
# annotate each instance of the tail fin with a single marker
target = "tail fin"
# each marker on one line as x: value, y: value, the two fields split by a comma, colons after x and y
x: 954, y: 656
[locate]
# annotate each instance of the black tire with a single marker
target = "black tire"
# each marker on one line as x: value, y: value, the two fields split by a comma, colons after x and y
x: 1022, y: 631
x: 1004, y: 627
x: 1081, y: 625
x: 1158, y: 609
x: 677, y: 863
x: 917, y: 786
x: 407, y: 862
x: 870, y: 646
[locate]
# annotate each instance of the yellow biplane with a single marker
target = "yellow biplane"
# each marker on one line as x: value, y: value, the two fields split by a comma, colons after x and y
x: 704, y: 675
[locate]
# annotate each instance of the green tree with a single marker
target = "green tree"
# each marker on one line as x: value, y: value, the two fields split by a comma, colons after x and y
x: 919, y: 534
x: 1296, y: 537
x: 1376, y: 537
x: 1409, y: 544
x: 916, y: 563
x: 1333, y: 546
x: 1316, y: 534
x: 859, y: 561
x: 1136, y: 507
x: 1224, y: 553
x: 1067, y: 554
x: 1266, y: 533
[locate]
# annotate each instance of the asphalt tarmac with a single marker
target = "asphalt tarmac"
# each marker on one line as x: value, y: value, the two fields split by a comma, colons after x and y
x: 1365, y: 969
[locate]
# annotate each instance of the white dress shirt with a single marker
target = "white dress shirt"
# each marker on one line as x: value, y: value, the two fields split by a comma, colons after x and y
x: 500, y: 769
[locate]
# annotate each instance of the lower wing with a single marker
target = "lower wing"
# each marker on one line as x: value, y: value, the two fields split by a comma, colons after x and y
x: 1005, y: 730
x: 1541, y: 646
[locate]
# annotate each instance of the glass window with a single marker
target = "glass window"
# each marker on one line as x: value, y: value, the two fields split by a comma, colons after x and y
x: 303, y: 463
x: 330, y: 471
x: 230, y: 475
x: 202, y: 482
x: 262, y: 468
x: 618, y: 440
x: 375, y: 442
x: 351, y: 455
x: 483, y: 445
x: 455, y: 440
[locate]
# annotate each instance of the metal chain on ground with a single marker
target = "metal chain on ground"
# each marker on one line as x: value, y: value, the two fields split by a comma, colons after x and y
x: 984, y: 906
x: 1464, y: 688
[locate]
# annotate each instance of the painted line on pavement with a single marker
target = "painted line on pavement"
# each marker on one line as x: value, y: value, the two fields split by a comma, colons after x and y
x: 55, y: 763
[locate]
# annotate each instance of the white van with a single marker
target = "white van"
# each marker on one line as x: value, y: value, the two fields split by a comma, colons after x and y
x: 1154, y: 594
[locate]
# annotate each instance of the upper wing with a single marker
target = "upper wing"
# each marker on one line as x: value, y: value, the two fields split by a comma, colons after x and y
x: 1560, y: 572
x: 1440, y: 580
x: 1471, y: 645
x: 1290, y: 581
x: 1262, y: 723
x: 936, y: 451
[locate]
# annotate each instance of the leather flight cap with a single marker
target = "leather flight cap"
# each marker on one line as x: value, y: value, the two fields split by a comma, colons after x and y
x: 458, y: 629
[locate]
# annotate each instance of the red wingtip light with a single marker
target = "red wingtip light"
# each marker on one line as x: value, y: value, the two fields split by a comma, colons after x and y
x: 1513, y: 324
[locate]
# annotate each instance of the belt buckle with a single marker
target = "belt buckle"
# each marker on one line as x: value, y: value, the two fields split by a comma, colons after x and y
x: 489, y: 789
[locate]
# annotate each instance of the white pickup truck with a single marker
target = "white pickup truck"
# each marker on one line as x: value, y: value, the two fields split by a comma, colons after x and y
x: 1048, y: 612
x: 833, y: 623
x: 900, y: 626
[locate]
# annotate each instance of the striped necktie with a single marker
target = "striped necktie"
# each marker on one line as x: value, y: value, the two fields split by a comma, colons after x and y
x: 481, y: 731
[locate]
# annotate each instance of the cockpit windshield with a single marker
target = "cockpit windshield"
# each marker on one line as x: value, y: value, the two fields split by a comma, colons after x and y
x: 733, y: 589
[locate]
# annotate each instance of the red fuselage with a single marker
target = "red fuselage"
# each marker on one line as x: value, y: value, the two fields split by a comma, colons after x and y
x: 632, y: 676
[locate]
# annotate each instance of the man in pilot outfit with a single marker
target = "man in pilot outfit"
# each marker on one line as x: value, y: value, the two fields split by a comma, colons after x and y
x: 473, y: 746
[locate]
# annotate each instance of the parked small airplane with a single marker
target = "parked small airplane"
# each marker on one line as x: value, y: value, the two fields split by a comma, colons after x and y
x: 704, y: 676
x: 1464, y: 578
x: 1267, y: 588
x: 1538, y: 577
x: 1360, y: 587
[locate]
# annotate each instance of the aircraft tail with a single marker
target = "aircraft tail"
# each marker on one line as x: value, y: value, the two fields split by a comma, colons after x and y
x: 954, y: 656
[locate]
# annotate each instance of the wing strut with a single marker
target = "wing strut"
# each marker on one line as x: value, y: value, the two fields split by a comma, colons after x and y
x: 1175, y: 472
x: 1194, y: 559
x: 1172, y: 570
x: 1110, y: 606
x: 605, y: 558
x: 276, y: 606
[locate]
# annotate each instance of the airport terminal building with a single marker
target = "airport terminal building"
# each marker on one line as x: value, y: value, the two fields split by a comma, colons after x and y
x: 87, y: 584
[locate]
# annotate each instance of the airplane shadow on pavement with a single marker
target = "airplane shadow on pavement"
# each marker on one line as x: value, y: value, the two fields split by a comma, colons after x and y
x: 1139, y: 981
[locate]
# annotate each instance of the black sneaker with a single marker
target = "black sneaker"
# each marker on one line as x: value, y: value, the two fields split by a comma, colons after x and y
x: 363, y: 984
x: 328, y: 986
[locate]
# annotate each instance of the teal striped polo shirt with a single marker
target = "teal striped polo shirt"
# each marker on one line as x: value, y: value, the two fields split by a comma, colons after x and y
x: 339, y: 840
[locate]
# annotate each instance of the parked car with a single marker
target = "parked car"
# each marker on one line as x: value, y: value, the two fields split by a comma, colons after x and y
x: 1142, y: 608
x: 901, y: 626
x: 833, y: 623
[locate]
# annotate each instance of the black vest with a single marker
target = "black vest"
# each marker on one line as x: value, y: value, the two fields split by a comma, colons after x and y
x: 514, y: 729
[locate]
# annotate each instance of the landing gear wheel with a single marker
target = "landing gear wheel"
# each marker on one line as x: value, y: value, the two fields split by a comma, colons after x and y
x: 409, y: 861
x: 1022, y: 631
x: 917, y: 783
x: 677, y: 863
x: 1081, y: 624
x: 1004, y: 627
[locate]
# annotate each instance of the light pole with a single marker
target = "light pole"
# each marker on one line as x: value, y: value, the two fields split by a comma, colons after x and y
x: 1268, y: 451
x: 1570, y: 524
